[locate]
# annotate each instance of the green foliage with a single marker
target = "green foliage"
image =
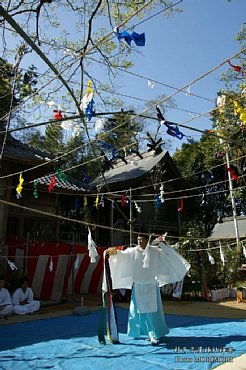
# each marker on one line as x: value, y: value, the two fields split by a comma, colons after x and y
x: 25, y: 85
x: 35, y: 139
x: 53, y: 138
x: 203, y: 165
x: 231, y: 78
x: 217, y: 275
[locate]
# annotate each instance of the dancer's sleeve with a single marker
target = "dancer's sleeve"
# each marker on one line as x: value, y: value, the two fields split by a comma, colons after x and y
x: 172, y: 267
x: 121, y: 265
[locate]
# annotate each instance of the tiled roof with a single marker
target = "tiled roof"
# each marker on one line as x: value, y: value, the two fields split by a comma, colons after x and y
x: 14, y: 149
x: 135, y: 168
x: 226, y: 229
x: 69, y: 184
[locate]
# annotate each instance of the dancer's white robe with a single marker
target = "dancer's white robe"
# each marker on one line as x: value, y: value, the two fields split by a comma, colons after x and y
x: 30, y: 307
x: 6, y: 307
x: 165, y: 266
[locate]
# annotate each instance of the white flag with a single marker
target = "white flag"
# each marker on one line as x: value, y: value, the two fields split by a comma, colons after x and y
x: 92, y: 247
x: 229, y: 247
x: 211, y: 259
x: 12, y: 265
x: 151, y: 84
x: 244, y: 251
x: 76, y: 263
x: 222, y: 257
x: 51, y: 264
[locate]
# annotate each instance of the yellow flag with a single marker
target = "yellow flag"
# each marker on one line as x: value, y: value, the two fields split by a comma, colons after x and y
x: 19, y: 186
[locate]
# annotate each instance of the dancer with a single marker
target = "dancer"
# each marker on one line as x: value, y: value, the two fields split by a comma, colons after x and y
x: 144, y: 269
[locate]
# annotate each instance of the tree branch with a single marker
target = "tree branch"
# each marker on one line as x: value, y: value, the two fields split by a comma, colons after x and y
x: 90, y: 25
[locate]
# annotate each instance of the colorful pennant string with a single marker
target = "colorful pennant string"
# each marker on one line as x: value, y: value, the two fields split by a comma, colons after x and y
x: 97, y: 201
x: 99, y: 124
x: 187, y: 91
x: 244, y: 251
x: 11, y: 265
x: 211, y: 259
x: 157, y: 202
x: 51, y: 103
x: 241, y: 111
x: 77, y: 262
x: 85, y: 177
x: 222, y: 257
x: 57, y: 114
x: 171, y: 129
x: 137, y: 38
x: 162, y: 193
x: 87, y: 103
x: 35, y: 189
x: 137, y: 207
x: 89, y: 89
x: 19, y: 187
x: 232, y: 170
x: 221, y: 101
x: 90, y: 110
x: 235, y: 67
x: 174, y: 131
x: 125, y: 200
x: 51, y: 266
x: 61, y: 175
x: 52, y: 183
x: 102, y: 201
x: 92, y: 247
x: 151, y: 84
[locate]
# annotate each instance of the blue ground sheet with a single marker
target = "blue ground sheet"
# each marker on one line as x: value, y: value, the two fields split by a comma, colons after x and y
x: 70, y: 343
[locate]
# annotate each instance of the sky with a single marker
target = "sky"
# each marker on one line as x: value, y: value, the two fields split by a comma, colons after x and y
x: 183, y: 47
x: 178, y: 50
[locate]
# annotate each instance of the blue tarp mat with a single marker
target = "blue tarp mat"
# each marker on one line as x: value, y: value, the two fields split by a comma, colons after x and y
x: 70, y: 343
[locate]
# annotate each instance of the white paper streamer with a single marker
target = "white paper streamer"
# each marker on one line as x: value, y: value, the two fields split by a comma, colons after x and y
x: 77, y: 261
x: 211, y: 259
x: 12, y: 265
x: 91, y: 247
x: 244, y: 251
x: 222, y: 257
x: 151, y: 84
x: 51, y: 264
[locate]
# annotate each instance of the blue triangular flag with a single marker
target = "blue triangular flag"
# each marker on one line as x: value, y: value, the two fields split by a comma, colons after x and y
x: 138, y: 38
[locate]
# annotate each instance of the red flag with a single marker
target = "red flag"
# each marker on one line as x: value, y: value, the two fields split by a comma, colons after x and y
x: 124, y: 200
x: 52, y: 183
x: 58, y: 114
x: 233, y: 175
x: 236, y: 68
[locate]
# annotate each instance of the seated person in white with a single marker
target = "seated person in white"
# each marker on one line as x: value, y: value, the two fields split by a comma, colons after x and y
x: 6, y: 307
x: 22, y: 299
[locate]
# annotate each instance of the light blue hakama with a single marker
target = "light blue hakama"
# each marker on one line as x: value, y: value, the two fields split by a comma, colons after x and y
x: 150, y: 324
